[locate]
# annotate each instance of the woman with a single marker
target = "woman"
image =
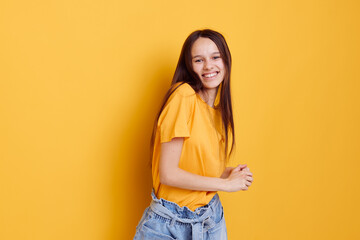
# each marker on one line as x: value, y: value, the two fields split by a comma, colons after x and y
x: 192, y: 140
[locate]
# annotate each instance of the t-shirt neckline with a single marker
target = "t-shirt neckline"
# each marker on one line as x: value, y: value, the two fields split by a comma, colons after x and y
x: 202, y: 100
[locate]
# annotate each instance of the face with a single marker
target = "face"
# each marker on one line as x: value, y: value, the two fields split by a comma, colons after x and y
x: 207, y: 62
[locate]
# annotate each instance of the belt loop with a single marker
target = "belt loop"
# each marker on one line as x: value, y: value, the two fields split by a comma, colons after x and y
x: 197, y: 231
x: 172, y: 223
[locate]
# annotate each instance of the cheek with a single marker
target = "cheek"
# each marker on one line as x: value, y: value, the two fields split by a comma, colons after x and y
x: 197, y: 70
x: 222, y: 65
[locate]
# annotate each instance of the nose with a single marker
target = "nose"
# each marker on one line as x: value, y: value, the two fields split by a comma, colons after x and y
x: 207, y: 65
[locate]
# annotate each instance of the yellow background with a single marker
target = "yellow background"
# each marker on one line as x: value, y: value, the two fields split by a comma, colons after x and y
x: 81, y: 82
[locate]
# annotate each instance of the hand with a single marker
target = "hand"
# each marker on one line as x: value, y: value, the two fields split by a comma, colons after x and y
x: 227, y: 171
x: 240, y: 178
x: 246, y: 169
x: 225, y: 174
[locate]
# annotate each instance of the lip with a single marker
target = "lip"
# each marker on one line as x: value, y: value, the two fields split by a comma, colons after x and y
x: 217, y: 73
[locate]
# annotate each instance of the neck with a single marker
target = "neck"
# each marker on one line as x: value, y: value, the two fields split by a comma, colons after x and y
x: 209, y: 95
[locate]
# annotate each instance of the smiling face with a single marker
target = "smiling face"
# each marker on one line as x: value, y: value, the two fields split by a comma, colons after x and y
x: 207, y: 63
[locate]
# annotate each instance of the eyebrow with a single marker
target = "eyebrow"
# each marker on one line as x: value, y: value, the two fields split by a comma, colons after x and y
x: 201, y: 55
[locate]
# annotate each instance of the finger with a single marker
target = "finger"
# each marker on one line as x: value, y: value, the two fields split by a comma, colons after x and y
x: 248, y: 173
x: 242, y: 175
x: 235, y: 169
x: 245, y: 188
x: 249, y: 179
x: 240, y: 167
x: 245, y: 174
x: 247, y: 182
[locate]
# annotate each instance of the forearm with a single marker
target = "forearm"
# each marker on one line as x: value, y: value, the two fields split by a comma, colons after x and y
x: 186, y: 180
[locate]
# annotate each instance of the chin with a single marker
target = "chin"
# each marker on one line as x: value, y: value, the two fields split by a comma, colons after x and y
x: 210, y: 85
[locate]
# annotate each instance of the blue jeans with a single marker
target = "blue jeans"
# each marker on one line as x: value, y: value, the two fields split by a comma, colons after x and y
x: 167, y: 220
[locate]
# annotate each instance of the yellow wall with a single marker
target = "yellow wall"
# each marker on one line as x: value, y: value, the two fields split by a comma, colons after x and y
x: 81, y: 82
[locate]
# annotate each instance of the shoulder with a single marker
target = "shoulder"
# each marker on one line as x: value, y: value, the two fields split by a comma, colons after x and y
x: 180, y: 104
x: 183, y: 89
x: 181, y: 94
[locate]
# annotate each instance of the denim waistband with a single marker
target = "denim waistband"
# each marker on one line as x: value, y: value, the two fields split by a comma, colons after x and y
x: 173, y: 211
x: 201, y: 219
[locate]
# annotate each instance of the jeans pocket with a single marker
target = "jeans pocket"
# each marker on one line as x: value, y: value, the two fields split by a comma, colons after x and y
x: 149, y: 233
x: 219, y: 230
x: 143, y: 217
x: 218, y: 216
x: 155, y: 227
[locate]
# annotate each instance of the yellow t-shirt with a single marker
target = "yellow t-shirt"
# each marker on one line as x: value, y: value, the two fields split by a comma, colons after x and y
x: 187, y: 115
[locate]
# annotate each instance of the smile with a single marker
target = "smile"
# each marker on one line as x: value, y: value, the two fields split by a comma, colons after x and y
x: 210, y: 75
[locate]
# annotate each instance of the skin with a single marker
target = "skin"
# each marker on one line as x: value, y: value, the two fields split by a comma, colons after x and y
x: 205, y: 59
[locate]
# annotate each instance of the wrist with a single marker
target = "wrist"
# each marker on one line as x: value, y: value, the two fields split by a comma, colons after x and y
x: 223, y: 184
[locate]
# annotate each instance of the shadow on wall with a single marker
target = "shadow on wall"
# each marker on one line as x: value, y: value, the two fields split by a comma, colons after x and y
x: 132, y: 193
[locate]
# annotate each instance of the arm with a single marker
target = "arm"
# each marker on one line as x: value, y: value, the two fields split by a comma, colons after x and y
x: 172, y: 175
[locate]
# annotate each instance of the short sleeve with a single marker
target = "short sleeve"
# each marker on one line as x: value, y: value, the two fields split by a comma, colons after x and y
x: 175, y: 118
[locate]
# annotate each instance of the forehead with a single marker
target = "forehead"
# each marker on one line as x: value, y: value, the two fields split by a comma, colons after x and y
x: 203, y: 46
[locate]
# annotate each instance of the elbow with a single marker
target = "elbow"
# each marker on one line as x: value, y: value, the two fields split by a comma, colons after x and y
x: 164, y: 178
x: 167, y: 178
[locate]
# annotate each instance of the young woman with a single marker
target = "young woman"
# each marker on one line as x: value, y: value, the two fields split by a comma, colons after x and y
x: 192, y: 140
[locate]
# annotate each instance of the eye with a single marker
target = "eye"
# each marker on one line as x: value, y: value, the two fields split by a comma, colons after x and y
x: 198, y: 60
x: 216, y: 57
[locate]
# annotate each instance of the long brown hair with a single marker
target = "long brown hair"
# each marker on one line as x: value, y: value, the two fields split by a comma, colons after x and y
x: 184, y: 73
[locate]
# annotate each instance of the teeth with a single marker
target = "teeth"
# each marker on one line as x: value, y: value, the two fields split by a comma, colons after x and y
x: 210, y: 75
